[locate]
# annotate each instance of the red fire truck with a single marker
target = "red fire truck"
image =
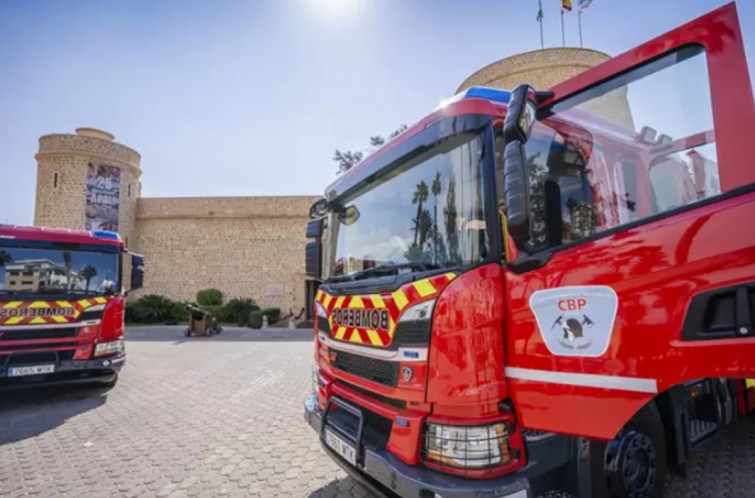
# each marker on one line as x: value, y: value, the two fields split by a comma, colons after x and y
x: 62, y: 306
x: 545, y: 291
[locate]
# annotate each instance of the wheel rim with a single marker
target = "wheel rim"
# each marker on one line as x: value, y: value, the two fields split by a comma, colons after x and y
x: 630, y: 465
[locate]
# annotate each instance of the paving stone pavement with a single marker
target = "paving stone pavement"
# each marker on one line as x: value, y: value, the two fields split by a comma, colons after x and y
x: 222, y: 416
x: 199, y: 417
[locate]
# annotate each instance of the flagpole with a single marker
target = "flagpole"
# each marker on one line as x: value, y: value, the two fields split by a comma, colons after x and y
x: 542, y: 43
x: 563, y: 36
x: 579, y: 21
x: 540, y: 20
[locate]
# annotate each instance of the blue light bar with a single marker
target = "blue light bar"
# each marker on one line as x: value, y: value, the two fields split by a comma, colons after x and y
x: 478, y: 92
x: 105, y: 234
x: 483, y: 92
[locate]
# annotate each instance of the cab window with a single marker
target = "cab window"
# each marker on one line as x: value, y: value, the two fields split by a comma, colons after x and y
x: 632, y: 148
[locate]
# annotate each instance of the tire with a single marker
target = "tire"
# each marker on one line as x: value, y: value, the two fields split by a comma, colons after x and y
x: 634, y: 463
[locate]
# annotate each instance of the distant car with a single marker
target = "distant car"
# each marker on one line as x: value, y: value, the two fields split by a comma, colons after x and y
x: 172, y: 321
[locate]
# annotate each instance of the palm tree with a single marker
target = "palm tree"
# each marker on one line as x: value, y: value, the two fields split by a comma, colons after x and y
x: 88, y: 273
x: 68, y: 263
x: 436, y: 192
x: 419, y: 198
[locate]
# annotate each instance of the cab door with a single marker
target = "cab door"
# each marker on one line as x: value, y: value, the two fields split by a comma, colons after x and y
x: 639, y: 271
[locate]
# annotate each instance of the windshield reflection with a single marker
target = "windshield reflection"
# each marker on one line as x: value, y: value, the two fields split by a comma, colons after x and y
x: 55, y: 271
x: 426, y: 215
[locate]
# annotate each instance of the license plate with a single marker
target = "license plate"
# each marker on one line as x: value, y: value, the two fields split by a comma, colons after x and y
x: 347, y: 451
x: 32, y: 370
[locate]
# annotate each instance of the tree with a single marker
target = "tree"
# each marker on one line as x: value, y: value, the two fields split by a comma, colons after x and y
x: 418, y: 198
x: 348, y: 159
x: 450, y: 214
x: 436, y: 188
x: 88, y: 273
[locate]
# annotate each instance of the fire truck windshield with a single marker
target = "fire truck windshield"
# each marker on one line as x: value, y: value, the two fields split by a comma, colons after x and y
x: 31, y: 270
x: 426, y: 214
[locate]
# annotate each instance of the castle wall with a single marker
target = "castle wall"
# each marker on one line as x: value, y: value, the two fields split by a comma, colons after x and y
x: 244, y: 246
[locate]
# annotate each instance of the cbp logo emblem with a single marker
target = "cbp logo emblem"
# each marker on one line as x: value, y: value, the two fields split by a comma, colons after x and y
x: 575, y: 321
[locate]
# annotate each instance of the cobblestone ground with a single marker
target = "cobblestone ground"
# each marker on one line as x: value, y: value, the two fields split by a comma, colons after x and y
x: 222, y: 416
x: 218, y: 416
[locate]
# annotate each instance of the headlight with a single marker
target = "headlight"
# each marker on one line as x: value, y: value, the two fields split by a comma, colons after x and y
x: 421, y: 311
x: 108, y: 348
x: 321, y: 311
x: 469, y: 448
x: 315, y: 378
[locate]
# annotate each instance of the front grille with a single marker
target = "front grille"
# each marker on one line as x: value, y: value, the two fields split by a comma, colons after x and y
x: 382, y: 372
x: 33, y: 334
x: 414, y: 333
x: 396, y: 403
x: 36, y: 358
x: 323, y: 325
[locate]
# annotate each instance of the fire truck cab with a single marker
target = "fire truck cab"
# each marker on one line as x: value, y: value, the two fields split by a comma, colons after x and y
x: 536, y: 291
x: 62, y: 300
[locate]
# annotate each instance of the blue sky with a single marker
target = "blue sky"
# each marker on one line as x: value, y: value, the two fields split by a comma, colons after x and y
x: 241, y: 97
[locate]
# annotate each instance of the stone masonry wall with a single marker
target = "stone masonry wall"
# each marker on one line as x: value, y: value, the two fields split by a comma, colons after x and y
x: 244, y: 246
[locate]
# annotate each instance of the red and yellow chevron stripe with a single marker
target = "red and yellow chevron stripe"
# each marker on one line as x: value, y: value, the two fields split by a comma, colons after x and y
x: 361, y: 318
x: 45, y: 312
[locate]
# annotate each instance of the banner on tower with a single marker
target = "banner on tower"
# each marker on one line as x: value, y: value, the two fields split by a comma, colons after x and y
x: 103, y: 197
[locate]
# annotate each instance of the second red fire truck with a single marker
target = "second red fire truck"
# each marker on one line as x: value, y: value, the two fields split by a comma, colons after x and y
x: 545, y: 291
x: 62, y: 305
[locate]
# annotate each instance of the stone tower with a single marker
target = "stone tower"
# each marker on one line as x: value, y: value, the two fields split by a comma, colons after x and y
x: 87, y: 181
x: 544, y: 68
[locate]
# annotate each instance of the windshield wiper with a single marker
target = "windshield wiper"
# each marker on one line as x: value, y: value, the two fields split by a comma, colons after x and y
x: 386, y: 269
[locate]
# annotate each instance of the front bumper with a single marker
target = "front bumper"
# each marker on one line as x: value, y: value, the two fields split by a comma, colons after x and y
x: 100, y: 370
x: 385, y: 475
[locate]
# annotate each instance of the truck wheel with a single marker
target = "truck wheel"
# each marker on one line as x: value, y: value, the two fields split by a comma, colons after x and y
x: 634, y: 462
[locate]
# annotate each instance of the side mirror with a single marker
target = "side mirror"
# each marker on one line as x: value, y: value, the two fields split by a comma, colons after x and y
x: 315, y: 228
x: 520, y: 116
x: 313, y: 259
x: 516, y: 192
x: 137, y: 271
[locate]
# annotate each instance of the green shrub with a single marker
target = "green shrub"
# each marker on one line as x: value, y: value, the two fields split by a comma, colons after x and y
x: 238, y: 310
x: 129, y: 313
x: 179, y: 311
x: 255, y: 319
x: 153, y: 308
x: 210, y: 297
x: 273, y: 314
x: 217, y: 311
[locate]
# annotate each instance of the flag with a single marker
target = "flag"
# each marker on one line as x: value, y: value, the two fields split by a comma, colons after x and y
x: 566, y: 5
x: 583, y: 4
x: 539, y: 11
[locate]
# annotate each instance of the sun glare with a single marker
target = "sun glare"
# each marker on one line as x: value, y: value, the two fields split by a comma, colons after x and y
x: 337, y: 10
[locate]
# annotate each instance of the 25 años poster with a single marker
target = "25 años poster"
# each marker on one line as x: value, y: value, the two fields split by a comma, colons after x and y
x: 103, y: 197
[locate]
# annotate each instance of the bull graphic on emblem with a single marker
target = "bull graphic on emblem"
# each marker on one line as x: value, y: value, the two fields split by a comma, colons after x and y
x: 574, y: 331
